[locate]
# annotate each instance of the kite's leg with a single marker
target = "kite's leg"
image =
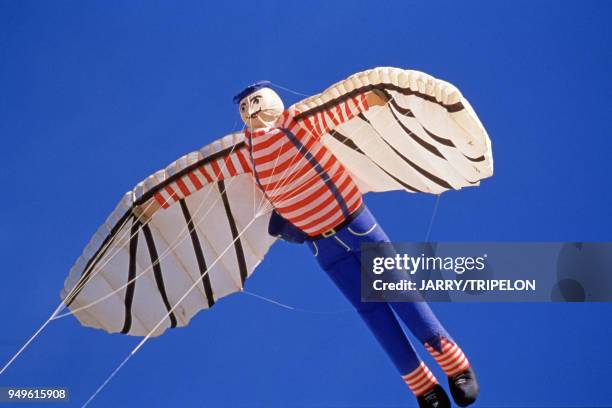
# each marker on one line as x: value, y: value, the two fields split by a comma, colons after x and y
x: 344, y: 269
x: 426, y: 327
x: 340, y: 255
x: 418, y: 316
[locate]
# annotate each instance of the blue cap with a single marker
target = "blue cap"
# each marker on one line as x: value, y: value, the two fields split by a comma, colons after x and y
x: 250, y: 89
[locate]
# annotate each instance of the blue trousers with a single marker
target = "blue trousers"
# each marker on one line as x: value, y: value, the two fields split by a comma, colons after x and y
x: 340, y: 256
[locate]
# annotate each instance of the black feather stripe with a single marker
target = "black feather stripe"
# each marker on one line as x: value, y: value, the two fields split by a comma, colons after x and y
x: 129, y: 293
x: 432, y: 177
x: 431, y: 148
x: 451, y: 144
x: 406, y: 186
x: 197, y: 248
x: 404, y: 111
x: 93, y: 261
x: 441, y: 140
x: 345, y: 141
x: 455, y: 107
x: 235, y: 237
x: 159, y: 278
x: 361, y: 116
x: 351, y: 145
x: 476, y: 160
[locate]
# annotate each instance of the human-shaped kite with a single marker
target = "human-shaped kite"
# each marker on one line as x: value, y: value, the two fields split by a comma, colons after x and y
x: 298, y: 174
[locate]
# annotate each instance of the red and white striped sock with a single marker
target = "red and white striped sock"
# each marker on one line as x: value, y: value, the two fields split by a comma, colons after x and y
x: 451, y: 360
x: 420, y: 380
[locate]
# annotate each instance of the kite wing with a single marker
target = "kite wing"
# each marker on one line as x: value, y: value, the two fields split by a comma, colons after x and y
x: 426, y: 138
x: 211, y: 235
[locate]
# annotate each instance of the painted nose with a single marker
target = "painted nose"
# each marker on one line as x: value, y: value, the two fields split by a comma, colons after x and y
x: 253, y: 111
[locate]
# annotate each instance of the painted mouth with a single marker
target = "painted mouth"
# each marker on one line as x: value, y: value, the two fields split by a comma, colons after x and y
x: 255, y: 114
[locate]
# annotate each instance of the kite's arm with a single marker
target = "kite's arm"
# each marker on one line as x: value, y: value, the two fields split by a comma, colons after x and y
x: 322, y: 120
x: 215, y: 168
x: 376, y: 97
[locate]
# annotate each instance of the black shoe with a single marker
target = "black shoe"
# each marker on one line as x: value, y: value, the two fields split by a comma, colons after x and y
x: 436, y: 398
x: 464, y: 387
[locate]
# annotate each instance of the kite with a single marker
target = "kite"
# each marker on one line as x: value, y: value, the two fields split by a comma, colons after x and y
x: 193, y: 232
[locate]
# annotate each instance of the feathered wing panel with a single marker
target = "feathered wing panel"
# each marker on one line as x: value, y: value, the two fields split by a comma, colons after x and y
x: 132, y: 274
x: 426, y: 138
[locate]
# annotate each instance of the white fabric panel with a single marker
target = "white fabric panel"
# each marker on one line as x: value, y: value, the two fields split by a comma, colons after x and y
x: 175, y: 240
x: 215, y: 236
x: 173, y: 248
x: 103, y: 312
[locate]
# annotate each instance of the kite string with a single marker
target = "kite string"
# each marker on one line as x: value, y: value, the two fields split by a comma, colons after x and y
x: 55, y: 315
x: 101, y: 253
x: 293, y: 308
x: 289, y: 90
x: 168, y: 313
x: 433, y: 216
x: 263, y: 200
x: 279, y: 183
x: 108, y: 379
x: 282, y: 181
x: 62, y: 303
x: 31, y: 339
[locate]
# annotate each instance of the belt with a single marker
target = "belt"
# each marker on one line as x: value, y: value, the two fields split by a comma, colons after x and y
x: 331, y: 232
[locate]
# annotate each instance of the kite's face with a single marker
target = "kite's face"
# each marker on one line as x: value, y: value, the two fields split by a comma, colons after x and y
x: 261, y: 109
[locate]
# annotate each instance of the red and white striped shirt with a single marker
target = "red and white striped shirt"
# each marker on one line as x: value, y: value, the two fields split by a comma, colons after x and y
x: 301, y: 178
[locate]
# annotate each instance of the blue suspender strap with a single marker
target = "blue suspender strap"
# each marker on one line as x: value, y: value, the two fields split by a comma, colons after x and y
x: 320, y: 171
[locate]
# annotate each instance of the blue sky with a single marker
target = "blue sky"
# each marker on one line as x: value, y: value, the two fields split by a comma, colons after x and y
x: 95, y: 96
